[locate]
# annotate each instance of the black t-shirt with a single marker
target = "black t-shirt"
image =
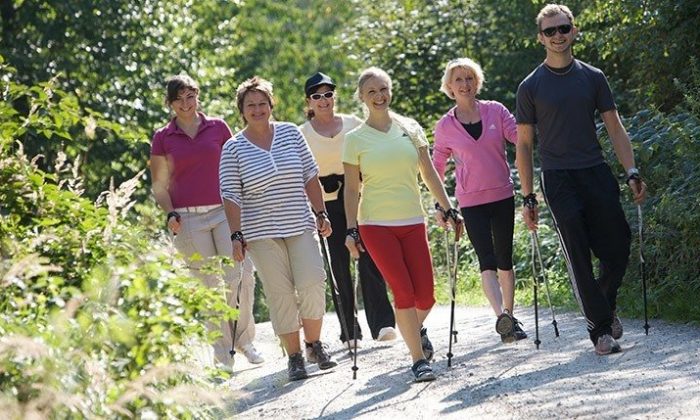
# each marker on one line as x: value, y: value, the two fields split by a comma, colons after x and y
x: 562, y: 106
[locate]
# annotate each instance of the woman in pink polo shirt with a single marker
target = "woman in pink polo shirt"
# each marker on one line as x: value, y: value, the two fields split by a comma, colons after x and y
x: 474, y: 134
x: 185, y: 183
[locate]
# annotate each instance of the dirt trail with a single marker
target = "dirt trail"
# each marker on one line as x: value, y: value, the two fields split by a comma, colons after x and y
x: 656, y: 376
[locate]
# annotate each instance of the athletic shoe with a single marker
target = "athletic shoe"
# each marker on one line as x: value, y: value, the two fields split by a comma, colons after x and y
x: 606, y: 345
x: 426, y: 344
x: 505, y: 326
x: 518, y: 332
x: 295, y: 367
x: 350, y: 344
x: 386, y: 334
x: 318, y: 353
x: 616, y: 327
x: 252, y: 354
x: 422, y: 371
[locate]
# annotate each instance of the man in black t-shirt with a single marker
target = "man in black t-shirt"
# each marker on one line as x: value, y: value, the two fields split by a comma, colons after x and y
x: 559, y: 100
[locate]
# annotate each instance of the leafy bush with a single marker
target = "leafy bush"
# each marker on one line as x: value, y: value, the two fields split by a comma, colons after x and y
x: 95, y: 319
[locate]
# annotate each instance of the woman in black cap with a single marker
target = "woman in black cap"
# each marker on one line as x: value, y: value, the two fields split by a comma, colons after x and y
x: 325, y: 133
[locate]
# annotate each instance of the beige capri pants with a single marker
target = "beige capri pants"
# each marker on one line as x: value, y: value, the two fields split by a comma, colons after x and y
x: 293, y: 277
x: 204, y: 235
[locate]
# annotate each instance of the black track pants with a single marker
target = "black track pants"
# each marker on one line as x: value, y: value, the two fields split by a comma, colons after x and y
x: 585, y: 204
x: 378, y: 309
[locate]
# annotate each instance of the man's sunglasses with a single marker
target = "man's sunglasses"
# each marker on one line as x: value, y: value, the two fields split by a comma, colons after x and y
x: 327, y: 95
x: 563, y: 29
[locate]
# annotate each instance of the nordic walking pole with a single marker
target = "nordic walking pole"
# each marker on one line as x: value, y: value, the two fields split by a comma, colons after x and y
x: 641, y: 268
x: 452, y: 272
x: 336, y: 292
x: 233, y: 325
x: 354, y: 322
x: 534, y: 288
x: 546, y: 281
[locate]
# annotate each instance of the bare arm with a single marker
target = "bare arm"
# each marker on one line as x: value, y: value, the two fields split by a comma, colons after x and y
x: 523, y: 160
x: 436, y: 188
x: 315, y: 196
x: 623, y: 150
x: 233, y: 216
x: 160, y: 180
x: 351, y: 197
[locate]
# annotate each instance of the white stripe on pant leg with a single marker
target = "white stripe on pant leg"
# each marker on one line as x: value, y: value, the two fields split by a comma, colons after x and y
x: 567, y: 259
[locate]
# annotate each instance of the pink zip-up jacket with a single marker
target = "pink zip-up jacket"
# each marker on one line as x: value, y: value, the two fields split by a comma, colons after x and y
x: 482, y: 171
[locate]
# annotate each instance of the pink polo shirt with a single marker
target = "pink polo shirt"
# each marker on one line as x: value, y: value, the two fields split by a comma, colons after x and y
x: 482, y: 171
x: 193, y: 162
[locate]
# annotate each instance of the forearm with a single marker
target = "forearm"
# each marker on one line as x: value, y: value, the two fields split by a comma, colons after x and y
x: 432, y: 180
x: 524, y: 163
x: 233, y: 215
x: 314, y: 194
x: 623, y: 149
x: 162, y: 197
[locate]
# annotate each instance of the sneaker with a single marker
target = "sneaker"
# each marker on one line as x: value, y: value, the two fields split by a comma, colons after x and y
x: 422, y: 371
x: 295, y: 367
x: 518, y: 332
x: 318, y: 353
x: 350, y: 344
x: 386, y: 334
x: 252, y: 354
x: 616, y: 327
x: 606, y: 345
x: 426, y: 344
x: 505, y: 326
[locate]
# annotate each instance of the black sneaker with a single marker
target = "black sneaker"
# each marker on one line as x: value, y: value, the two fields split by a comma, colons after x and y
x: 318, y: 353
x: 509, y: 328
x: 616, y: 327
x: 426, y: 344
x: 295, y: 367
x: 518, y: 332
x: 422, y: 371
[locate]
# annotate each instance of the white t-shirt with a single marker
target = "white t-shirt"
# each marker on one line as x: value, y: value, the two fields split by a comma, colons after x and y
x: 328, y: 151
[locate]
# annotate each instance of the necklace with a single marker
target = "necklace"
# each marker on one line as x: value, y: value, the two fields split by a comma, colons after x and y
x: 563, y: 73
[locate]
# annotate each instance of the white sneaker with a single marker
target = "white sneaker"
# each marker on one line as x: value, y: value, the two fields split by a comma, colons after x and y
x: 252, y: 354
x: 350, y: 344
x: 386, y: 334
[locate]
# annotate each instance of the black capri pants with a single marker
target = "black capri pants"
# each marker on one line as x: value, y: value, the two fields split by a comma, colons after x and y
x: 490, y: 230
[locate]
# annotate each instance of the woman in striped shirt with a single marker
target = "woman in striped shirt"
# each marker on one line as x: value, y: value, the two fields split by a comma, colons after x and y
x: 268, y: 177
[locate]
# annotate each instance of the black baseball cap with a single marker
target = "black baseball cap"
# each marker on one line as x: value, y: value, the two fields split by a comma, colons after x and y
x: 317, y: 80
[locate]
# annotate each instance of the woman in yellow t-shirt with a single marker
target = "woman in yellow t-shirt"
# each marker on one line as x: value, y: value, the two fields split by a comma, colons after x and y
x: 325, y: 133
x: 389, y: 151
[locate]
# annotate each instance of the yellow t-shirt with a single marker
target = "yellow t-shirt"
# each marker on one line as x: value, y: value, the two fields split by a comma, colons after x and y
x: 389, y: 166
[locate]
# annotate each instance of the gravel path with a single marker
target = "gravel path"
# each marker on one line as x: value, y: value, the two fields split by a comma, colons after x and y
x: 656, y: 376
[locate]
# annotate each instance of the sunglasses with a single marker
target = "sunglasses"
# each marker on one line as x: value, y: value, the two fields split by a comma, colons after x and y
x: 562, y: 29
x: 327, y: 95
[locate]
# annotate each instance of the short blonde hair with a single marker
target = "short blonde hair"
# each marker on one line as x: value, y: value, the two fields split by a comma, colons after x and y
x: 254, y: 84
x: 553, y: 10
x: 369, y: 73
x: 468, y: 65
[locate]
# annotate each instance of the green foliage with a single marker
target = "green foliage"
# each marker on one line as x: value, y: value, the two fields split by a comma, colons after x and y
x: 95, y: 321
x: 668, y: 156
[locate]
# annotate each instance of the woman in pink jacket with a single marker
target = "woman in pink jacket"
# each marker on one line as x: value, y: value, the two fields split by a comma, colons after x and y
x: 474, y: 134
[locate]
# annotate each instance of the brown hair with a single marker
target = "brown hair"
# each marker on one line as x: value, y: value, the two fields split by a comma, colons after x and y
x: 553, y: 10
x: 254, y: 84
x: 175, y: 84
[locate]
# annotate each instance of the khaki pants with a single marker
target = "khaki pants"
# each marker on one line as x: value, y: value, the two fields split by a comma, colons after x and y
x: 293, y: 277
x: 204, y: 235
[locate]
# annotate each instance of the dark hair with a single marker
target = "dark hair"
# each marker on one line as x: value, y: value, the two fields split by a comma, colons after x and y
x: 175, y: 84
x: 257, y: 84
x: 307, y: 109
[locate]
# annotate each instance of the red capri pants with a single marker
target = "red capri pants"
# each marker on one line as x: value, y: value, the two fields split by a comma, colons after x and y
x: 402, y: 255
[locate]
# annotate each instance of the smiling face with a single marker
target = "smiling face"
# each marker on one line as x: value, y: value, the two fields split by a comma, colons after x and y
x: 322, y: 105
x: 463, y: 84
x: 558, y: 43
x: 256, y: 108
x: 375, y: 93
x: 185, y: 105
